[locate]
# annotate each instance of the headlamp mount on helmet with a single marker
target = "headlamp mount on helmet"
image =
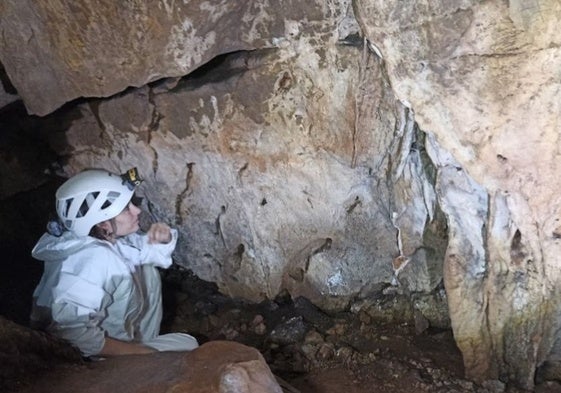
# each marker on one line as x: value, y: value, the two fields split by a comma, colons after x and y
x: 131, y: 178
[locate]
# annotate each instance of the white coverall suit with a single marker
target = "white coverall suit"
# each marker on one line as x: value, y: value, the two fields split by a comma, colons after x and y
x: 92, y: 289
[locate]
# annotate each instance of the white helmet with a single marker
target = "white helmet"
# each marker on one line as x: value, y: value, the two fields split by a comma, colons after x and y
x: 93, y: 196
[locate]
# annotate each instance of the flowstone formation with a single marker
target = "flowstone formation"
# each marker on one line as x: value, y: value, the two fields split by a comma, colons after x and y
x: 338, y: 150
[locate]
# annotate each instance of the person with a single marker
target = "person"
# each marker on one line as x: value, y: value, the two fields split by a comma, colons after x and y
x: 100, y: 289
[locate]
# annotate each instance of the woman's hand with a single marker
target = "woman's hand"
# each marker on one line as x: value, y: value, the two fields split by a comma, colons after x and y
x: 159, y: 233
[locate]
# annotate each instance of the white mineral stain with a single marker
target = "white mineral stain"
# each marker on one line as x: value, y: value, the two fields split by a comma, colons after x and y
x: 186, y: 48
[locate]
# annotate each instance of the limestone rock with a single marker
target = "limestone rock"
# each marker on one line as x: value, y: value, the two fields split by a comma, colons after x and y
x: 283, y: 198
x: 482, y: 77
x: 277, y: 165
x: 55, y: 52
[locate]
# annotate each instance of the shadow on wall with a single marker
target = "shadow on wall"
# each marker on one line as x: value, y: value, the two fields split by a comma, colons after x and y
x: 23, y: 217
x: 26, y: 197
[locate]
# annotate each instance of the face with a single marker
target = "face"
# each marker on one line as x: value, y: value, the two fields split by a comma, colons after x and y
x: 127, y: 221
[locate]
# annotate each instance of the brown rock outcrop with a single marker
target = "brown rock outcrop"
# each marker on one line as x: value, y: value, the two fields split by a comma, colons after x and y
x: 215, y: 367
x: 55, y: 51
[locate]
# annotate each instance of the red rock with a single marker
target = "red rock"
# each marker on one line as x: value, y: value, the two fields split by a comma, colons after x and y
x: 217, y: 366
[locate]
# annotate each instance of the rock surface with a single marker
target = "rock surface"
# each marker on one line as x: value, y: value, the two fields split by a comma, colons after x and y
x: 342, y: 152
x: 215, y: 367
x: 282, y: 171
x: 55, y: 51
x: 483, y: 79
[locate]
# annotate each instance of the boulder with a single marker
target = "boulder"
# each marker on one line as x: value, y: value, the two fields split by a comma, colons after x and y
x: 215, y: 367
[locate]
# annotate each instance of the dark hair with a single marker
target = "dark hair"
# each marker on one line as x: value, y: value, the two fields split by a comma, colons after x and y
x: 102, y: 234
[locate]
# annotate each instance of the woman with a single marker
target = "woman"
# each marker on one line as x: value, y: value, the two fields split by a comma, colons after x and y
x: 100, y: 288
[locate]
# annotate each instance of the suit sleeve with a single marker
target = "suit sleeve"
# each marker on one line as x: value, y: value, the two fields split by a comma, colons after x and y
x: 154, y: 254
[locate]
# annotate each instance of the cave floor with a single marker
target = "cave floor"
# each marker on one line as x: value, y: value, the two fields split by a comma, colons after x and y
x: 315, y: 352
x: 319, y: 353
x: 308, y: 350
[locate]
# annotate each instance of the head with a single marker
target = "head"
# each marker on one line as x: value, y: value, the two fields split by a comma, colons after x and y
x: 98, y: 203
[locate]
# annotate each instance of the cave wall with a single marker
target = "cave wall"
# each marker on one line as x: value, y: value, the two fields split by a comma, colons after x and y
x: 285, y: 169
x: 334, y: 149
